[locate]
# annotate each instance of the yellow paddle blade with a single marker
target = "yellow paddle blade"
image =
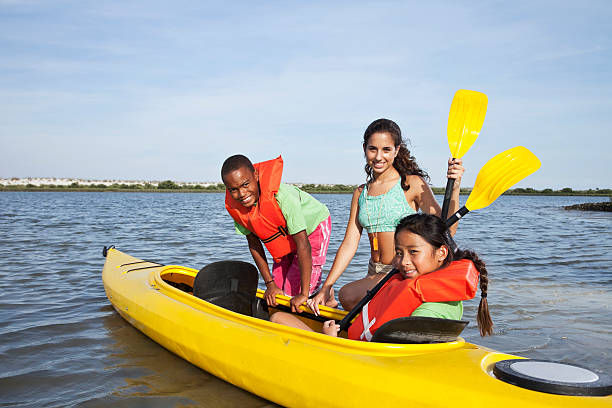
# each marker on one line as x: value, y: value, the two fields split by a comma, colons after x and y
x: 499, y: 174
x: 467, y: 114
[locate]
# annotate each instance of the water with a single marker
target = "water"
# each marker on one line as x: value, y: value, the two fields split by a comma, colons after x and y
x: 62, y: 344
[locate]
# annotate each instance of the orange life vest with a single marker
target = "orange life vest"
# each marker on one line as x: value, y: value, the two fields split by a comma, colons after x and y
x: 265, y: 219
x: 400, y: 297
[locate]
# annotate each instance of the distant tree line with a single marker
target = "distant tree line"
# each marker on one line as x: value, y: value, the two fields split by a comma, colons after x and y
x: 563, y: 191
x: 169, y: 185
x: 164, y: 185
x: 328, y: 188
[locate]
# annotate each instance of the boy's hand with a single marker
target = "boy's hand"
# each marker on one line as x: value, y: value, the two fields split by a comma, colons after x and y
x: 271, y: 291
x: 297, y: 301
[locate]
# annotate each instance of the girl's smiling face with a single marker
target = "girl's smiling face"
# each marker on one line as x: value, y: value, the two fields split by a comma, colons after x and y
x: 380, y: 151
x: 415, y: 257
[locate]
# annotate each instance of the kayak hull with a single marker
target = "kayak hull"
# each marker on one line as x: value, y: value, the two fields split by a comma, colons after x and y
x: 297, y: 368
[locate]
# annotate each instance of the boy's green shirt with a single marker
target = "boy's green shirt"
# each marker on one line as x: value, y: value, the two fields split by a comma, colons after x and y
x: 301, y: 210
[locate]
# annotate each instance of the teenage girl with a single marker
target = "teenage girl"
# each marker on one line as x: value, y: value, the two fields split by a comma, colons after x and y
x: 423, y: 258
x: 395, y: 187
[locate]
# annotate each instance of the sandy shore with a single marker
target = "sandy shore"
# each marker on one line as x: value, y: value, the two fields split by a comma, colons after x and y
x: 42, y: 181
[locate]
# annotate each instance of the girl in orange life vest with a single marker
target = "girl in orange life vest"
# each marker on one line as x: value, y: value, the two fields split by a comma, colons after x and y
x: 292, y: 224
x: 428, y: 270
x: 395, y: 187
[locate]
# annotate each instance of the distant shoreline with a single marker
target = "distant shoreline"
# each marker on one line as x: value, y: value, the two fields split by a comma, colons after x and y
x: 63, y: 181
x: 168, y: 186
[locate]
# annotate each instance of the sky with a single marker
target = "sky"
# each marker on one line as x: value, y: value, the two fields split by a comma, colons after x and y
x: 154, y: 90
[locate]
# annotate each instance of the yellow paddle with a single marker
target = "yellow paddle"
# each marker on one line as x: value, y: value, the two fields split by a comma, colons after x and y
x: 496, y: 176
x: 467, y: 114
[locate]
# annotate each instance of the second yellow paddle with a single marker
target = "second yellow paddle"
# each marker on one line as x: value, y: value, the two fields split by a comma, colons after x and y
x: 496, y: 176
x: 465, y: 119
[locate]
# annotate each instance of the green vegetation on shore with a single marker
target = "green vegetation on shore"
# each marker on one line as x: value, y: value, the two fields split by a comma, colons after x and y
x: 170, y: 186
x: 164, y: 186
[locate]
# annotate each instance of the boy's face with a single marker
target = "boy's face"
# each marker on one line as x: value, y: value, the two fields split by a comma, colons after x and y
x: 243, y: 186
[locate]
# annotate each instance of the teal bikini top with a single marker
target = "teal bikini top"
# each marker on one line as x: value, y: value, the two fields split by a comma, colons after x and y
x: 383, y: 212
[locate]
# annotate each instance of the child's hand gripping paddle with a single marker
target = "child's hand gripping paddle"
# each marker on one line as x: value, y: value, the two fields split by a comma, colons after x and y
x: 467, y: 114
x: 496, y: 176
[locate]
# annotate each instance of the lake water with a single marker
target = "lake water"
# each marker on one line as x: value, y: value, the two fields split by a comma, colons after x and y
x: 62, y: 344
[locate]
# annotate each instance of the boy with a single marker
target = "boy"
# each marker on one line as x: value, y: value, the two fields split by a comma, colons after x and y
x: 293, y: 225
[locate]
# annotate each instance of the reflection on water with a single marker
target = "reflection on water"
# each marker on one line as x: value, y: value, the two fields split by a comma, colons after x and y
x: 144, y: 371
x: 63, y: 344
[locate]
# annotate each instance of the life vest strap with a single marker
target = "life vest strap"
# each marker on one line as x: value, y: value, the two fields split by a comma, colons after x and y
x: 367, y: 324
x: 282, y: 232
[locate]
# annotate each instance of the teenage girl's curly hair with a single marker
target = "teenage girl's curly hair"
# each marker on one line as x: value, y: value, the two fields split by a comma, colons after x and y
x: 404, y: 162
x: 432, y: 229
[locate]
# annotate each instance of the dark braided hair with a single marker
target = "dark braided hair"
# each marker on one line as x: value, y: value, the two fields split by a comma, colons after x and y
x: 432, y: 229
x: 483, y: 318
x: 404, y: 162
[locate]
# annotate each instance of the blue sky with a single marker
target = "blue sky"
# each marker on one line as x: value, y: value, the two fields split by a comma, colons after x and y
x: 154, y: 90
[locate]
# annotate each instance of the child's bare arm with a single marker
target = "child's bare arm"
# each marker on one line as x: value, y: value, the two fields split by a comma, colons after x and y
x: 304, y: 254
x: 345, y: 254
x: 259, y: 256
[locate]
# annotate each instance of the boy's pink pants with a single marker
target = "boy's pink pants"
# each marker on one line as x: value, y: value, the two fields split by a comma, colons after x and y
x: 286, y: 273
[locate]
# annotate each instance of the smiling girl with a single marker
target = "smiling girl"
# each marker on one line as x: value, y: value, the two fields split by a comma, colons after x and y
x: 395, y: 187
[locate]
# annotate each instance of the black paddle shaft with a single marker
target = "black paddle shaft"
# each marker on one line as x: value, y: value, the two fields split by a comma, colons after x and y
x: 447, y: 196
x: 451, y: 241
x: 445, y: 204
x: 456, y: 216
x: 346, y: 321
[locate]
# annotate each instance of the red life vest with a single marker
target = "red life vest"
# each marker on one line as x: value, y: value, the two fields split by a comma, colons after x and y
x: 400, y: 297
x: 265, y: 219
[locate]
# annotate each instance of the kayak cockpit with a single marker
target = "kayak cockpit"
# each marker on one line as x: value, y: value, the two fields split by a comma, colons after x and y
x: 232, y: 285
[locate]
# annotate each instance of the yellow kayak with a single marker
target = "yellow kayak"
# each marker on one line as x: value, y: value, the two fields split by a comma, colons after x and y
x: 296, y: 368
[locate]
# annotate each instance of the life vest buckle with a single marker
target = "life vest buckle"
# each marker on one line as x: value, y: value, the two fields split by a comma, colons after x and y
x: 282, y: 232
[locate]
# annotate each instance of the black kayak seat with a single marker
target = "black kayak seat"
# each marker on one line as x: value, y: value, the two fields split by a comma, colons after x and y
x: 419, y: 330
x: 228, y: 284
